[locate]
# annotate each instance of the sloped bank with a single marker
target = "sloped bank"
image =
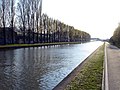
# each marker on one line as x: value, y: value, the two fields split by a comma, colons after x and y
x: 87, y: 76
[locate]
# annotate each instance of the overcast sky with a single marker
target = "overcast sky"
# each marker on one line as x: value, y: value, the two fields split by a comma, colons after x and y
x: 97, y: 17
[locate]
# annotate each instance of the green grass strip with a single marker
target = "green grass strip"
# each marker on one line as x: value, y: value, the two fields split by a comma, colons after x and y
x: 34, y: 45
x: 90, y: 76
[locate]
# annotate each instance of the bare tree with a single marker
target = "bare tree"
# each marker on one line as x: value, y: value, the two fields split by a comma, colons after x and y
x: 22, y: 16
x: 0, y: 15
x: 3, y: 9
x: 28, y: 12
x: 40, y: 21
x: 11, y: 11
x: 38, y: 11
x: 44, y: 26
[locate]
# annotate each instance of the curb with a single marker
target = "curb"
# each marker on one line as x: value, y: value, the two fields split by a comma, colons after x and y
x: 105, y: 85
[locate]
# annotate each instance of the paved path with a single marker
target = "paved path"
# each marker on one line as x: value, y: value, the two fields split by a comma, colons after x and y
x: 113, y: 64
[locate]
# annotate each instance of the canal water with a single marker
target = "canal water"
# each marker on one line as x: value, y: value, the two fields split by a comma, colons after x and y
x: 41, y: 68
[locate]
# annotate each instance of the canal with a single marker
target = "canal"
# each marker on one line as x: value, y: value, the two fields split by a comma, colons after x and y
x: 41, y: 68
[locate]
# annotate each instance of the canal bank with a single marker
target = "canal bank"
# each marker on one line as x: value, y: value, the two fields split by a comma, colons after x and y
x: 14, y: 46
x: 87, y: 75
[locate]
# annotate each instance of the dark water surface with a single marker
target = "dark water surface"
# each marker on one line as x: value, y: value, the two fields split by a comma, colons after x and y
x: 41, y: 68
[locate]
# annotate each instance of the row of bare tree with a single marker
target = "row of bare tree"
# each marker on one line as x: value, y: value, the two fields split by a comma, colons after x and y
x: 25, y: 18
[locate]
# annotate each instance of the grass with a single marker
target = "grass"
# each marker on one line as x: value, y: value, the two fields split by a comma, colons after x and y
x: 90, y: 76
x: 34, y: 45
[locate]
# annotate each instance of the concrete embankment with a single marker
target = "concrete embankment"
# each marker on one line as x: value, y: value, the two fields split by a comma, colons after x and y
x: 88, y: 74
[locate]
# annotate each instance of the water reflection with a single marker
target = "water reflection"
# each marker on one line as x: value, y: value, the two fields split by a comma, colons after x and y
x: 40, y: 68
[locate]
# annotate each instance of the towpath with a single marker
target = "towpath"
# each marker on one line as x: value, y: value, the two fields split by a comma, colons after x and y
x: 113, y: 67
